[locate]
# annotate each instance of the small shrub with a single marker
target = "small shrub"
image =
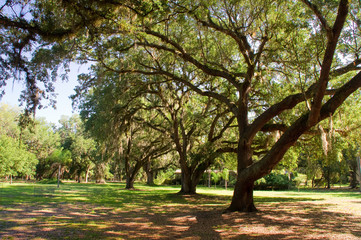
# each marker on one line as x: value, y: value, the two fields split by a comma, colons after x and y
x: 274, y: 181
x: 166, y: 178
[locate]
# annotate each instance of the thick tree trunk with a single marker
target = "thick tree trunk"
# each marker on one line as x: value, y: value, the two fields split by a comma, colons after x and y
x: 150, y: 174
x: 131, y: 173
x: 242, y: 200
x: 129, y: 184
x: 190, y: 179
x: 99, y: 173
x: 189, y: 185
x: 150, y: 177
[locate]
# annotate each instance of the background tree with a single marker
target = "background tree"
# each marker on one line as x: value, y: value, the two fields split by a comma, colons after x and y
x: 195, y: 126
x: 117, y: 109
x: 16, y: 150
x: 60, y: 160
x: 15, y: 160
x: 348, y: 121
x: 81, y: 146
x: 41, y: 138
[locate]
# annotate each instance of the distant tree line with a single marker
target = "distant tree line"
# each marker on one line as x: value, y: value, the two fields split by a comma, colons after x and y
x: 38, y: 151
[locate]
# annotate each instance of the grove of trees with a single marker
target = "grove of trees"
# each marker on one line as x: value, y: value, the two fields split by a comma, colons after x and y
x: 186, y: 83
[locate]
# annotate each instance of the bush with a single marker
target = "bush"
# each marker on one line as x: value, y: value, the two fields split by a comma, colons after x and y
x: 274, y: 181
x: 166, y: 178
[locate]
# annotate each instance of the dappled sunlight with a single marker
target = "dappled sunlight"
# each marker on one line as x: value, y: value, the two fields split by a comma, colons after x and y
x: 155, y: 214
x: 184, y: 220
x: 290, y: 220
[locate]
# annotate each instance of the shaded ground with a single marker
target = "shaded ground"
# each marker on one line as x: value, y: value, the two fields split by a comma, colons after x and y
x: 170, y: 216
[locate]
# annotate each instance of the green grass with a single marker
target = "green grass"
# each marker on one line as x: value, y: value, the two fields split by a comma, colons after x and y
x: 108, y: 211
x: 114, y: 194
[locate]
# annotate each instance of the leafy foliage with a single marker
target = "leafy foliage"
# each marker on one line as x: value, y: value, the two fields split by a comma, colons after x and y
x: 15, y: 159
x: 274, y: 181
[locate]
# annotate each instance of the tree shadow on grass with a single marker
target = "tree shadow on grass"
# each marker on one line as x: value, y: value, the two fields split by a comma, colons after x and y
x: 200, y: 219
x: 108, y: 213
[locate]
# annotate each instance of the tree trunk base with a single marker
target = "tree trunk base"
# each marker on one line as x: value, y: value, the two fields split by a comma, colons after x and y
x: 250, y: 208
x: 129, y: 185
x: 181, y: 192
x: 242, y: 200
x: 100, y: 182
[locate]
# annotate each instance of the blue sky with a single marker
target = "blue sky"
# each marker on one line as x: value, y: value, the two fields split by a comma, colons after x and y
x: 63, y: 89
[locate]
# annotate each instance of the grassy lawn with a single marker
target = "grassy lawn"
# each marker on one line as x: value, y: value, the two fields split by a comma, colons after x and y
x: 90, y: 211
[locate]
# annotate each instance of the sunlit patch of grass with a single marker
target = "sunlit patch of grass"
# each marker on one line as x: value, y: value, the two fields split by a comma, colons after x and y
x: 215, y: 191
x: 91, y: 211
x: 114, y: 195
x: 223, y: 228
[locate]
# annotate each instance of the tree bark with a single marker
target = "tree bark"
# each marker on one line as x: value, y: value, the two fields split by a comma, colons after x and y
x: 99, y: 173
x: 131, y: 174
x: 87, y: 174
x: 191, y: 176
x: 189, y: 185
x: 150, y: 178
x: 150, y: 173
x: 242, y: 200
x: 129, y: 182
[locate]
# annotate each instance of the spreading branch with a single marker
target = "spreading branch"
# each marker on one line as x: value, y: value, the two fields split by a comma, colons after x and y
x: 276, y: 109
x: 353, y: 66
x: 266, y: 164
x: 332, y: 40
x: 181, y: 52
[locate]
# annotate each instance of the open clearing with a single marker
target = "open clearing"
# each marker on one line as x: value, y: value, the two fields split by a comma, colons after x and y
x: 89, y: 211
